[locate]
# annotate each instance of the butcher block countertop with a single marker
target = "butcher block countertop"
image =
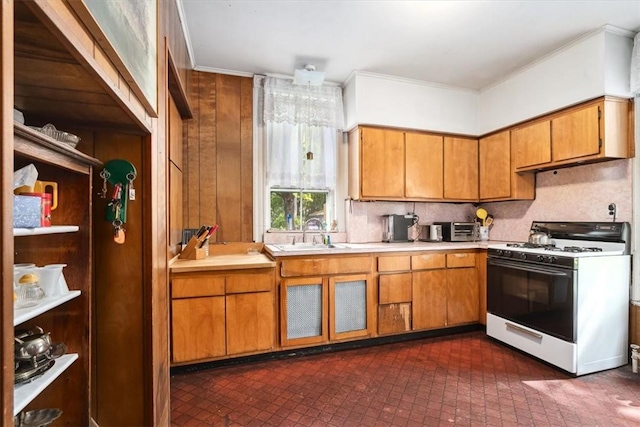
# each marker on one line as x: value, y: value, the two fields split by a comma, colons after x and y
x: 222, y: 262
x: 225, y: 256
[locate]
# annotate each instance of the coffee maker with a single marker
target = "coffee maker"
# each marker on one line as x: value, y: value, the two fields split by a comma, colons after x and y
x: 395, y: 228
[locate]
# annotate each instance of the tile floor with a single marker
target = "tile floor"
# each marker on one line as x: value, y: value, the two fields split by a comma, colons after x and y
x: 460, y: 380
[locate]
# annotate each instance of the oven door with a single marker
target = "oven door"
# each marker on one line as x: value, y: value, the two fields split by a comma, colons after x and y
x: 540, y: 297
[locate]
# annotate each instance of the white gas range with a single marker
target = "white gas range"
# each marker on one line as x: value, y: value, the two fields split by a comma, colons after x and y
x: 566, y: 302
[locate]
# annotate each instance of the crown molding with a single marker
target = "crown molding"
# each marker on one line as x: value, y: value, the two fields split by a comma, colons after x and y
x: 357, y: 73
x: 223, y: 71
x: 185, y: 32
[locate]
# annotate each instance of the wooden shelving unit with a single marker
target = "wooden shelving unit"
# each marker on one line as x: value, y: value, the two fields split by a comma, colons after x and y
x: 23, y: 394
x: 21, y: 315
x: 67, y: 318
x: 39, y: 231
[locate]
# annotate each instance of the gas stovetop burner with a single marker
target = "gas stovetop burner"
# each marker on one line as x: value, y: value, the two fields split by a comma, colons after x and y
x: 575, y: 249
x: 527, y: 245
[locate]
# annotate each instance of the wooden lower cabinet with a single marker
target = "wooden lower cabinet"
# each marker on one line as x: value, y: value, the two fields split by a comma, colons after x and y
x: 429, y: 299
x: 304, y: 311
x: 222, y: 314
x: 446, y: 297
x: 198, y: 328
x: 216, y: 315
x: 394, y: 318
x: 394, y: 288
x: 462, y: 296
x: 394, y: 299
x: 316, y: 310
x: 250, y: 320
x: 350, y: 307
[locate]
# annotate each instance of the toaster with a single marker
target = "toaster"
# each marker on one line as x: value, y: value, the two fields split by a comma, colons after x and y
x: 458, y: 231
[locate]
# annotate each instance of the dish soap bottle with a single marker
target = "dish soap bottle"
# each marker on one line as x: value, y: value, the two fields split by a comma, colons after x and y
x: 289, y: 222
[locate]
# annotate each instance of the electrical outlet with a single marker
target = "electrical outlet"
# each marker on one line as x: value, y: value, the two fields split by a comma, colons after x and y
x: 612, y: 210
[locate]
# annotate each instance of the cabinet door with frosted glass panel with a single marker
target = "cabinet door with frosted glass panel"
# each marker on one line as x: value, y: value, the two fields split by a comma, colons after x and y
x: 351, y: 310
x: 304, y: 308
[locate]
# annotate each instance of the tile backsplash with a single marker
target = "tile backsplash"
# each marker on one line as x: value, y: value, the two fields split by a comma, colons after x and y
x: 578, y: 193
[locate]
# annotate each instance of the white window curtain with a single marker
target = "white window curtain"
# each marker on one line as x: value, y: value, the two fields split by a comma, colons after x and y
x: 298, y: 120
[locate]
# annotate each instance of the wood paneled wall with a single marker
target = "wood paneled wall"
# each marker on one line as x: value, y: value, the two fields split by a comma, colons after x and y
x: 218, y: 157
x: 175, y: 134
x: 119, y: 356
x: 176, y: 41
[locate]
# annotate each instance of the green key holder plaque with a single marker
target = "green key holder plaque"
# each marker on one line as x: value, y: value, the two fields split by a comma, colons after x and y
x: 121, y: 172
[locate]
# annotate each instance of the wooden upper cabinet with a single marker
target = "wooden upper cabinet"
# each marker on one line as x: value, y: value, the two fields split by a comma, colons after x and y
x: 424, y: 166
x: 495, y: 166
x: 382, y: 163
x: 460, y: 168
x: 532, y: 144
x: 497, y: 176
x: 594, y: 131
x: 576, y: 134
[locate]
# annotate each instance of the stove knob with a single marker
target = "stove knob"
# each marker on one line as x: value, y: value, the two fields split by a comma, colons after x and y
x: 540, y: 258
x: 507, y: 253
x: 552, y: 259
x: 500, y: 252
x: 523, y: 256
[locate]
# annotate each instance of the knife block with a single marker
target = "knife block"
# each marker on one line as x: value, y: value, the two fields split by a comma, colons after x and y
x: 192, y: 251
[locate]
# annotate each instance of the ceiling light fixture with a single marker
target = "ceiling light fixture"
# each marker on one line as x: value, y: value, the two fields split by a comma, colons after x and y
x: 309, y: 76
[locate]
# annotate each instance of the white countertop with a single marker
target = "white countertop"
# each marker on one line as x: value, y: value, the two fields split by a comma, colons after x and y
x: 276, y: 250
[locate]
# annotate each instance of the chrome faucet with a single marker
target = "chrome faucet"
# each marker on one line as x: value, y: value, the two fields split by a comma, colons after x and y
x: 307, y: 224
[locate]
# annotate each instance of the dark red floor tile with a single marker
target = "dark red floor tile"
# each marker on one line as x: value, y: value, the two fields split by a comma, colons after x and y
x: 461, y: 380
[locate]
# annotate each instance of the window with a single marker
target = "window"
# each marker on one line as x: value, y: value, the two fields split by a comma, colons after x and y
x: 302, y: 205
x: 301, y: 133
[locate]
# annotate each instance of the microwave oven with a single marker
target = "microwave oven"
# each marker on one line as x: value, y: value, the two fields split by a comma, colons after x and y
x: 458, y: 231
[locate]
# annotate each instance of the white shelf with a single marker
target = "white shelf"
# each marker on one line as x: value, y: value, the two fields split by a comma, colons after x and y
x: 54, y: 229
x: 23, y: 394
x: 21, y: 315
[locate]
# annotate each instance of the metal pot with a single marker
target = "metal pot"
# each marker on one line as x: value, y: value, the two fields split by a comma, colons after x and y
x: 29, y: 348
x: 539, y: 238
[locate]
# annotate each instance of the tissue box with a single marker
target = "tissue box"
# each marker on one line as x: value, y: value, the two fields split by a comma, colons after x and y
x: 27, y: 211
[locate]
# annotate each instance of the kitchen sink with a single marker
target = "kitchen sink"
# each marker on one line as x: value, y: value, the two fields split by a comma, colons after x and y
x: 309, y: 247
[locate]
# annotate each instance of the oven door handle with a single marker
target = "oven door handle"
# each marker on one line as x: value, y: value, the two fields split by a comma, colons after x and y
x: 523, y: 330
x: 528, y: 268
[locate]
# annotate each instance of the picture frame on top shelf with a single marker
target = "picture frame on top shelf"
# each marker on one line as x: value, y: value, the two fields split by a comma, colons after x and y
x: 127, y: 32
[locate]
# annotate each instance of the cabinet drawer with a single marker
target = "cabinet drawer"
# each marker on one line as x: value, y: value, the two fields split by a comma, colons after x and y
x: 323, y: 266
x: 461, y: 260
x: 428, y: 261
x: 394, y: 263
x: 242, y: 283
x: 197, y: 286
x: 394, y: 288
